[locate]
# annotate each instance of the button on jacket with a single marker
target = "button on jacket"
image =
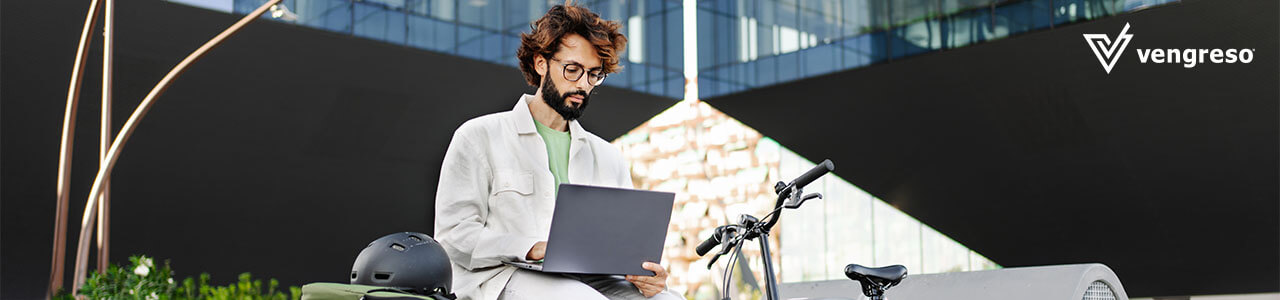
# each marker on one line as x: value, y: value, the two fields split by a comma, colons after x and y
x: 496, y: 193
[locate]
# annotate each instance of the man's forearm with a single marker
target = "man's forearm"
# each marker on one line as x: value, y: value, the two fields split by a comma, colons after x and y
x: 472, y: 246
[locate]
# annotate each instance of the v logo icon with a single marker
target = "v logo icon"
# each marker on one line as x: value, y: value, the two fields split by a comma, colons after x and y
x: 1108, y: 52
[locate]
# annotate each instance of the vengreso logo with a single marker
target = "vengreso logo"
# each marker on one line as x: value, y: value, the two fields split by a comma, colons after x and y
x: 1109, y: 52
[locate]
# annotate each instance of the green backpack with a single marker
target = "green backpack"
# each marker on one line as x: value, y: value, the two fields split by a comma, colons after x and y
x: 339, y: 291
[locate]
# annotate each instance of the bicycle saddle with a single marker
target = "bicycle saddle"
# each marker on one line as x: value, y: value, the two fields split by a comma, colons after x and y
x: 876, y: 280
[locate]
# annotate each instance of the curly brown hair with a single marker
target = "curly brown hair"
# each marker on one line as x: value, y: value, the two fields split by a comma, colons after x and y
x: 561, y: 20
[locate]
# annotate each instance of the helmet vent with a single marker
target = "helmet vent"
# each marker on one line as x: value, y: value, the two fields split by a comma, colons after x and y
x: 415, y: 238
x: 397, y: 246
x: 353, y: 275
x: 381, y: 276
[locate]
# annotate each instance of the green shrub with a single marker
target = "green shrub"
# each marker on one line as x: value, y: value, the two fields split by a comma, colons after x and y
x: 143, y: 281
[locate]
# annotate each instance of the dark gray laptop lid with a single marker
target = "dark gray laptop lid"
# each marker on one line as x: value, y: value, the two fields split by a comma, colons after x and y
x: 604, y: 230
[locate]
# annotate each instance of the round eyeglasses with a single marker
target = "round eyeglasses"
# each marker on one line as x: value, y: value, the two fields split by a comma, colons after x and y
x: 574, y: 71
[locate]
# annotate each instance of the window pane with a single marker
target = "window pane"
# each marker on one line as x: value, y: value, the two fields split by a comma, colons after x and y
x: 389, y: 4
x: 471, y: 42
x: 848, y: 226
x: 942, y: 254
x: 965, y: 28
x: 333, y: 15
x: 1016, y: 15
x: 674, y: 40
x: 897, y: 237
x: 803, y: 257
x: 431, y: 34
x: 977, y: 262
x: 910, y: 11
x: 820, y: 20
x: 767, y: 71
x: 638, y: 74
x: 656, y: 74
x: 519, y: 14
x: 819, y: 60
x: 675, y: 86
x: 953, y: 6
x: 915, y: 38
x: 484, y: 14
x: 788, y: 67
x: 378, y: 22
x: 653, y: 36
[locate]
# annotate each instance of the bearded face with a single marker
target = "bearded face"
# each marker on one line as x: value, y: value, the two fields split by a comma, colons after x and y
x: 564, y: 103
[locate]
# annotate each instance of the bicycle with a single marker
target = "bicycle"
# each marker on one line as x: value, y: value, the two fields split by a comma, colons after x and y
x: 875, y: 281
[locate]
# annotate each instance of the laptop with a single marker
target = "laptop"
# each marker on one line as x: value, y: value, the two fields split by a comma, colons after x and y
x: 604, y: 230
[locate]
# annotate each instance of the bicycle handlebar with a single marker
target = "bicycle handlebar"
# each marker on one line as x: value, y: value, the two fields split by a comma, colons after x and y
x: 813, y: 174
x: 711, y: 242
x: 784, y: 190
x: 749, y: 227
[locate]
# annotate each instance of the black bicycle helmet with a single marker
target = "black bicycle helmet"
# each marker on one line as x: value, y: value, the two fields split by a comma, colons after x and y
x: 408, y: 261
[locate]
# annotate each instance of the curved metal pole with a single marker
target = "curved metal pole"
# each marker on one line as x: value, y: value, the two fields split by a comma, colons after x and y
x: 64, y: 154
x: 82, y: 248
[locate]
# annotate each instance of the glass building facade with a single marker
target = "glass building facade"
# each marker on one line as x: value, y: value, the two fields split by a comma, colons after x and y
x: 741, y: 44
x: 489, y: 30
x: 749, y: 44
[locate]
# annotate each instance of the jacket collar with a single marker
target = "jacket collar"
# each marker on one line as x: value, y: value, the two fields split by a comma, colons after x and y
x: 524, y: 120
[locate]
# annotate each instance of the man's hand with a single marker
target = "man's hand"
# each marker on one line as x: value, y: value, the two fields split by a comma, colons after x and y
x: 650, y: 285
x: 538, y: 251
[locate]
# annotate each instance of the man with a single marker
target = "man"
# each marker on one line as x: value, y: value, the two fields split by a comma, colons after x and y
x: 500, y: 175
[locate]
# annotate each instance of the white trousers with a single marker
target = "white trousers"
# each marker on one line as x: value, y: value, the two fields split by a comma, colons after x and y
x: 525, y: 284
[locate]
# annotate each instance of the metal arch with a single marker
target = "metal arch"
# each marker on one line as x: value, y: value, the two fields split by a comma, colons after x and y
x: 113, y: 154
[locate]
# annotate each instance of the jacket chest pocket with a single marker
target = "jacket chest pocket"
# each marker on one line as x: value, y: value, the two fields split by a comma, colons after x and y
x: 512, y: 183
x: 511, y: 187
x: 511, y: 200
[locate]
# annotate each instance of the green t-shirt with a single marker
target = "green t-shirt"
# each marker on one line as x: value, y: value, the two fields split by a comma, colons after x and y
x: 557, y: 152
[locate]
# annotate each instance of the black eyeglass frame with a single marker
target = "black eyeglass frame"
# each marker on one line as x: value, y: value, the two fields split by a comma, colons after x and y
x: 583, y: 71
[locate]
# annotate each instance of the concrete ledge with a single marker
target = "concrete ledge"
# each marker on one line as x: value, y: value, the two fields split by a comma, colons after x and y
x: 1061, y: 282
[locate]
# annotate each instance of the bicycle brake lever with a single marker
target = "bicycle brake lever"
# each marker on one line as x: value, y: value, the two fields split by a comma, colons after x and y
x: 727, y: 240
x: 795, y: 203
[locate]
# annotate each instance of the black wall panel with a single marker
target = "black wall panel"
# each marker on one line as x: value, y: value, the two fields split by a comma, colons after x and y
x: 282, y: 152
x: 1026, y: 151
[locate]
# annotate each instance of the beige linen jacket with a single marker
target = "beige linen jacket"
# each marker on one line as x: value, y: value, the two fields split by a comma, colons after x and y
x: 496, y: 193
